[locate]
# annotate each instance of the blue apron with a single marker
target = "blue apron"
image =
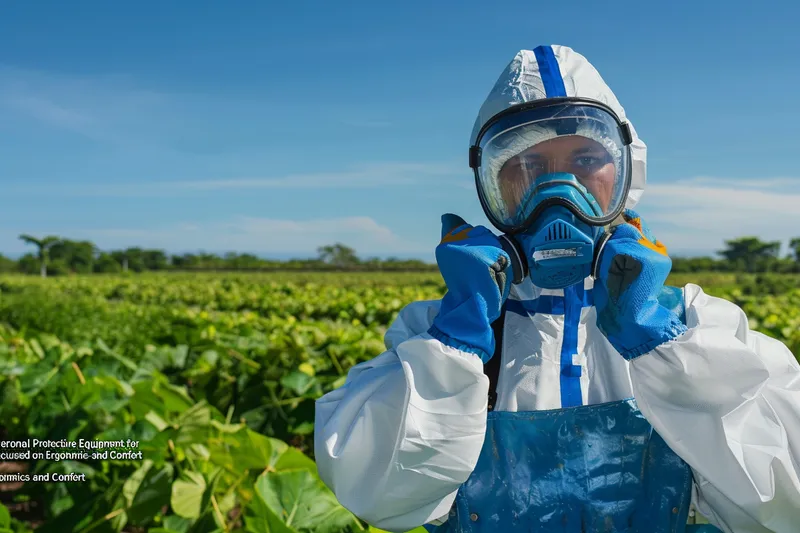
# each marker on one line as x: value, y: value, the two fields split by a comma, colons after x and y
x: 593, y: 468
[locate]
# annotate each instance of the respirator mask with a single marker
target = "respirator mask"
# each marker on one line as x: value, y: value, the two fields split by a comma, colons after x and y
x: 553, y: 176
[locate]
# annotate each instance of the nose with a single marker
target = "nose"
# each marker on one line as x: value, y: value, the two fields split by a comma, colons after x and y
x: 556, y: 164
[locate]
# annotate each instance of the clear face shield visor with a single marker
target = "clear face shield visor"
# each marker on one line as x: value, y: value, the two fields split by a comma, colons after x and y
x: 569, y: 152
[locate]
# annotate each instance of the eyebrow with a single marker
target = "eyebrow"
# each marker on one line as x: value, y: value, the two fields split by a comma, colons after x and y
x: 587, y: 150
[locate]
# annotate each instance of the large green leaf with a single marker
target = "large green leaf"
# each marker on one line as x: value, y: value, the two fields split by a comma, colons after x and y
x: 187, y: 494
x: 206, y: 524
x: 194, y: 425
x: 259, y: 518
x: 302, y: 502
x: 177, y: 523
x: 298, y: 382
x: 103, y: 348
x: 159, y: 396
x: 145, y: 400
x: 294, y: 459
x: 243, y: 450
x: 156, y: 421
x: 146, y: 492
x: 37, y: 377
x: 175, y: 398
x: 133, y: 483
x: 5, y: 516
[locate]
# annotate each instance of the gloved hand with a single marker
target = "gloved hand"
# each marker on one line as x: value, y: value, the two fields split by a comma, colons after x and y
x: 633, y: 268
x: 477, y: 273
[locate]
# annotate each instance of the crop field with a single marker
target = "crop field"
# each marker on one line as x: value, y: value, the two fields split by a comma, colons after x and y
x: 212, y: 378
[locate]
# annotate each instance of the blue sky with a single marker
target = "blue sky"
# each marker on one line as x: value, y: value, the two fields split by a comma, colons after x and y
x: 274, y: 129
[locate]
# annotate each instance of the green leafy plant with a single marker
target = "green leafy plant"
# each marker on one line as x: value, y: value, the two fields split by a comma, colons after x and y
x: 215, y: 377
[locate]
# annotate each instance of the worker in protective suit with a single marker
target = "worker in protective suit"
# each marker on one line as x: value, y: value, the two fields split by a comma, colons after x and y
x: 559, y: 385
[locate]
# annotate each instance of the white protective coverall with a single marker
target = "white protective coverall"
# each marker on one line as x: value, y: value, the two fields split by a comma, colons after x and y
x: 404, y: 434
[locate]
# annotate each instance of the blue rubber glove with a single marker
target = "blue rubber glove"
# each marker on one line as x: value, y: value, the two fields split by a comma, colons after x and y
x: 478, y: 277
x: 635, y: 311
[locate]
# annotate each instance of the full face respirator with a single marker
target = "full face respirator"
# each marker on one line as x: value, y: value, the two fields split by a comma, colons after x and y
x: 553, y: 176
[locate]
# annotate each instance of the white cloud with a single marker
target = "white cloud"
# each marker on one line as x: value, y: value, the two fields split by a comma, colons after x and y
x: 791, y: 184
x: 696, y: 216
x: 50, y: 112
x: 105, y: 108
x: 249, y: 234
x: 363, y: 176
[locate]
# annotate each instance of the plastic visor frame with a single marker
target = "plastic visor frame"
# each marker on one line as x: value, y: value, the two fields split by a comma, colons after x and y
x: 475, y: 162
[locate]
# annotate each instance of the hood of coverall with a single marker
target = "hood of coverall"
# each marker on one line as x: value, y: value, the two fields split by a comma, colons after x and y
x: 523, y: 81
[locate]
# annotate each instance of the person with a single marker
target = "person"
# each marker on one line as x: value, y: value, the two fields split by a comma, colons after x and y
x: 559, y: 385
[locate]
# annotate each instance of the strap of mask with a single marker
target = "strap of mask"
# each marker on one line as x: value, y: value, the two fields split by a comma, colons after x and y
x: 492, y: 367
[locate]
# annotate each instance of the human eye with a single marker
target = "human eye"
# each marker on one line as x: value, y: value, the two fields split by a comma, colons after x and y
x: 590, y: 161
x: 533, y: 164
x: 587, y: 160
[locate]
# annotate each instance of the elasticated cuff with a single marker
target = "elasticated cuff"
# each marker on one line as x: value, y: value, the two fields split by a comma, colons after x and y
x: 675, y: 330
x: 456, y: 344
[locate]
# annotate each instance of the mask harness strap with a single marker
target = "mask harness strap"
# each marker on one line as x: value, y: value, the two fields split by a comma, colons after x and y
x: 519, y: 271
x: 492, y: 367
x: 598, y: 249
x: 519, y: 266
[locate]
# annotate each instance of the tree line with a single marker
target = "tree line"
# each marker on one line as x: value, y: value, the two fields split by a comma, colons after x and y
x: 745, y: 254
x: 56, y: 256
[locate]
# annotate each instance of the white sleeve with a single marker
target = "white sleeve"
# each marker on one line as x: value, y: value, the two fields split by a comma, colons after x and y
x: 727, y: 400
x: 396, y: 441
